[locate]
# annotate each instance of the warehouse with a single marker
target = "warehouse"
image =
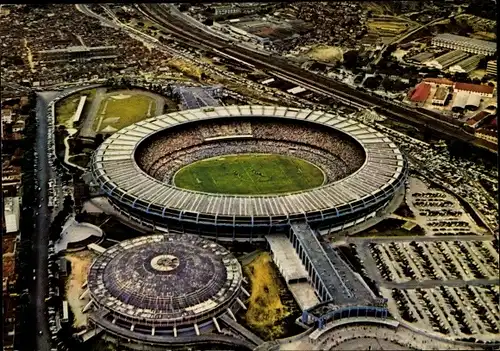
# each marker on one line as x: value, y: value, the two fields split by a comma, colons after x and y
x: 421, y: 57
x: 460, y: 101
x: 470, y: 45
x: 447, y: 60
x: 467, y: 65
x: 473, y: 102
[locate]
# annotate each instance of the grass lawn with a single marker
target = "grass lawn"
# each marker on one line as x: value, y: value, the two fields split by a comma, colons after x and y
x: 266, y: 311
x: 66, y: 108
x: 250, y: 174
x: 119, y: 113
x: 392, y: 227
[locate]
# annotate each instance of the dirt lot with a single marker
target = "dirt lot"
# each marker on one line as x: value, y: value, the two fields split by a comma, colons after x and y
x: 266, y: 311
x: 80, y: 263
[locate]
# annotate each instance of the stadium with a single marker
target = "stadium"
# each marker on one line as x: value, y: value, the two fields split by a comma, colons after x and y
x: 240, y: 172
x: 164, y: 289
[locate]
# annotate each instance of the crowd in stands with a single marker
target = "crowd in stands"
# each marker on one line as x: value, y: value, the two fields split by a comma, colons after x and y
x: 165, y: 153
x: 226, y: 129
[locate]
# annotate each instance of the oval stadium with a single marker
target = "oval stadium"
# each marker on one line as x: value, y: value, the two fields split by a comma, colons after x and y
x: 246, y: 171
x: 164, y: 289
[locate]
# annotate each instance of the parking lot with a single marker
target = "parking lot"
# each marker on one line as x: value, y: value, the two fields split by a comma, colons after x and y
x: 437, y: 212
x: 465, y: 260
x: 459, y: 312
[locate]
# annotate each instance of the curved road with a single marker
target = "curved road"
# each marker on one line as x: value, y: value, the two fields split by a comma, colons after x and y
x: 41, y: 234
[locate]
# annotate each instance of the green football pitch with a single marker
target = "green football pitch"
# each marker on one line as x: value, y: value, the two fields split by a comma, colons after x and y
x: 249, y: 174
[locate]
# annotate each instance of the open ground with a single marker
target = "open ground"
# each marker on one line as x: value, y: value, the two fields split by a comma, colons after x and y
x: 250, y: 174
x: 120, y: 110
x: 80, y: 263
x: 266, y: 311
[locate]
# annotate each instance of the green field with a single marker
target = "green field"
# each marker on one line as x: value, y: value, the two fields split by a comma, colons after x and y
x: 120, y: 113
x: 249, y: 174
x: 66, y: 108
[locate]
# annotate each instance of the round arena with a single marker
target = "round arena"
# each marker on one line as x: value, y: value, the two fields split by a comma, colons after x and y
x: 247, y: 171
x: 163, y: 289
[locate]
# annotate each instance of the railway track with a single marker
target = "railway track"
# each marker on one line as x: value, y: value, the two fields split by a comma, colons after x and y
x: 272, y: 64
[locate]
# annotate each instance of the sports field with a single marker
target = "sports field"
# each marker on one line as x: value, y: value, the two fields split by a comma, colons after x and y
x: 250, y: 174
x: 119, y: 111
x: 66, y: 108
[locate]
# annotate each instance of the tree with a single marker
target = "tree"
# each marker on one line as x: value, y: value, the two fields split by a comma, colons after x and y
x: 99, y: 139
x: 350, y: 59
x: 372, y: 83
x: 388, y: 84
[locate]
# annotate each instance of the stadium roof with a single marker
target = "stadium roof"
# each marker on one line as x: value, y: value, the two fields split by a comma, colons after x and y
x: 115, y: 169
x: 165, y: 279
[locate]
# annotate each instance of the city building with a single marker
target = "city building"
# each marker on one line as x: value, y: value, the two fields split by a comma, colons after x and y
x: 491, y: 68
x: 439, y: 82
x: 11, y: 214
x: 473, y: 102
x: 444, y: 61
x: 460, y: 101
x: 76, y: 53
x: 9, y: 296
x: 420, y: 93
x: 487, y: 134
x: 483, y: 90
x: 421, y: 57
x: 11, y: 181
x: 467, y: 65
x: 440, y: 96
x: 470, y: 45
x: 6, y: 115
x: 478, y: 119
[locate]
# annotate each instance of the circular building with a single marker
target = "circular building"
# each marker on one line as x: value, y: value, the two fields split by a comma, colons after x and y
x: 137, y: 168
x: 163, y: 289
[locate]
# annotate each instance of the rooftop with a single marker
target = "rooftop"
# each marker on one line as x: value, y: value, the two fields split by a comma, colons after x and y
x: 467, y: 41
x: 164, y: 279
x: 476, y: 88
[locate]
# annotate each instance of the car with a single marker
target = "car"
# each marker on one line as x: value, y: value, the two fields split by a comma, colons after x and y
x: 40, y: 206
x: 40, y: 332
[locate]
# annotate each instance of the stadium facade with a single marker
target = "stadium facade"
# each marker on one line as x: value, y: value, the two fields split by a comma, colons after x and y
x: 372, y: 170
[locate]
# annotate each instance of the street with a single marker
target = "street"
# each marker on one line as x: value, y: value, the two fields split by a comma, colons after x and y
x: 40, y: 239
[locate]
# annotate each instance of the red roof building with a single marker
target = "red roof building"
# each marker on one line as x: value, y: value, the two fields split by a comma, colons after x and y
x: 478, y: 117
x: 421, y: 93
x: 485, y: 90
x: 439, y: 81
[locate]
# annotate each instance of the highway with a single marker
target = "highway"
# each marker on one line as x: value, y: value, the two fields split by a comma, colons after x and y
x: 183, y: 31
x: 41, y: 234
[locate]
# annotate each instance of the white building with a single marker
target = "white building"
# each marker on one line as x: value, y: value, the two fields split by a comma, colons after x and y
x: 491, y: 69
x: 467, y: 65
x: 11, y: 214
x: 448, y: 59
x: 457, y: 42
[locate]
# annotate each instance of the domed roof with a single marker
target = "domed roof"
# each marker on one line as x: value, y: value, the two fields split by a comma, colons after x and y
x: 164, y: 277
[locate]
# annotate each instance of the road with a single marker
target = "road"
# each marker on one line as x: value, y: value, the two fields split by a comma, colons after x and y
x: 428, y: 284
x: 401, y: 239
x: 41, y: 235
